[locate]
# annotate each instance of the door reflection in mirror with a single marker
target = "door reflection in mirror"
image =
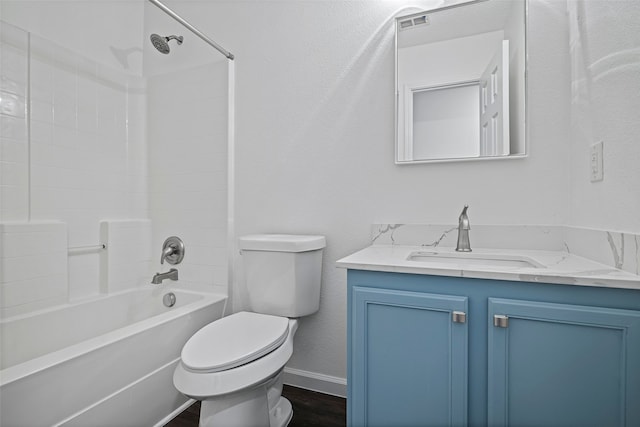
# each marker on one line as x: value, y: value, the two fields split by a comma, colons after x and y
x: 460, y: 82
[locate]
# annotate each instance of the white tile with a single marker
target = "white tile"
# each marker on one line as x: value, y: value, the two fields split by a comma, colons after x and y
x: 138, y: 204
x: 13, y: 70
x: 125, y: 276
x: 83, y: 276
x: 207, y: 255
x: 43, y: 153
x: 190, y: 181
x: 65, y: 136
x: 12, y: 105
x: 41, y: 132
x: 33, y: 243
x: 125, y: 263
x: 14, y: 174
x: 137, y: 184
x: 41, y: 80
x: 47, y: 176
x: 210, y: 202
x: 87, y: 118
x: 64, y: 84
x: 11, y: 36
x: 32, y: 227
x: 35, y: 266
x: 13, y: 127
x: 12, y: 150
x: 206, y: 81
x: 85, y: 70
x: 41, y: 111
x: 64, y: 115
x: 87, y: 91
x: 14, y: 203
x: 33, y: 290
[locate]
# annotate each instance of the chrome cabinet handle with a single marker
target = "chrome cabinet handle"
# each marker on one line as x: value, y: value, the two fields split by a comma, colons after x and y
x: 500, y: 321
x: 459, y: 317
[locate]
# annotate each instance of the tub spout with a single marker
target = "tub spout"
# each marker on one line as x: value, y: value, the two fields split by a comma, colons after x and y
x: 463, y: 232
x: 159, y: 277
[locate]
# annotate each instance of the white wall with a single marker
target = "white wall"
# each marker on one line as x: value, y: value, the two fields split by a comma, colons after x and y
x: 605, y: 106
x: 315, y: 141
x: 105, y: 31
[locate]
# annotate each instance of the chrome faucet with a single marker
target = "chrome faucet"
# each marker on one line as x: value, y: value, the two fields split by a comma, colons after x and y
x: 159, y: 277
x: 463, y: 232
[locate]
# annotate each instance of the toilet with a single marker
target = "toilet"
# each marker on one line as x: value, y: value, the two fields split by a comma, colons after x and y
x: 234, y: 365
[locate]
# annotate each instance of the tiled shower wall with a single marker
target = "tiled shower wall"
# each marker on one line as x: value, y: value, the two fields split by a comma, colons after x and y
x: 14, y: 148
x: 74, y: 150
x: 187, y: 116
x: 73, y: 146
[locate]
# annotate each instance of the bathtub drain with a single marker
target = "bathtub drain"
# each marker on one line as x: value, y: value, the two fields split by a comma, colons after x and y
x: 169, y: 299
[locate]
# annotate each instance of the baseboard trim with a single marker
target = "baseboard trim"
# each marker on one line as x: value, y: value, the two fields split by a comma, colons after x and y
x: 326, y: 384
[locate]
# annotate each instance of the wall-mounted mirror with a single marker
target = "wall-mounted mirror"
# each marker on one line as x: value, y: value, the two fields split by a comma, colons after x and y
x: 461, y: 82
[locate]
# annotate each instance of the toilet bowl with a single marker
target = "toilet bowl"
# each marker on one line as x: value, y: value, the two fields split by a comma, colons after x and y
x: 249, y: 351
x: 234, y: 365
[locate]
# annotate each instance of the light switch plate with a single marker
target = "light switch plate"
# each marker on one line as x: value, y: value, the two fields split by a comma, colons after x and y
x: 597, y: 172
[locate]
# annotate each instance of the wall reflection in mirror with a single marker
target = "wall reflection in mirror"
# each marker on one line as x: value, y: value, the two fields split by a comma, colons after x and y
x: 460, y: 82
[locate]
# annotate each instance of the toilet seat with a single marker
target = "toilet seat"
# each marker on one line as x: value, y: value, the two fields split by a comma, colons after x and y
x: 202, y: 385
x: 234, y: 341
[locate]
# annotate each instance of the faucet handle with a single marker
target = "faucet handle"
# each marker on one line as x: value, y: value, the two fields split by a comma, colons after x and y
x: 172, y: 250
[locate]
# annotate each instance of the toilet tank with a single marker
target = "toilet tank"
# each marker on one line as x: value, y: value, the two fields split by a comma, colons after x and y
x: 283, y: 273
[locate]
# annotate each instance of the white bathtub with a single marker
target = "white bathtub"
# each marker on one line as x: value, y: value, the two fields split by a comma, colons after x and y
x: 104, y: 362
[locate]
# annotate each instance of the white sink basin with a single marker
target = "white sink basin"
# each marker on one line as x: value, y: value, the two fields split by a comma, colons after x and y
x: 470, y: 259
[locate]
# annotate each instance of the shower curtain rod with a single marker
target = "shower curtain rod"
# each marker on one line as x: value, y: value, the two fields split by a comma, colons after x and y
x: 193, y: 29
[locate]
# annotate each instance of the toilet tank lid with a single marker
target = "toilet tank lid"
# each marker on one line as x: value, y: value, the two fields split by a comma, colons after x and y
x: 281, y: 242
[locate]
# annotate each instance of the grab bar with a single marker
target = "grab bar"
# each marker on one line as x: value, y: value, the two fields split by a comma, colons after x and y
x: 86, y: 249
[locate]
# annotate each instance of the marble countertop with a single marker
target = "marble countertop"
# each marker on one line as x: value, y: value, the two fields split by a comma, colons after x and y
x: 554, y: 266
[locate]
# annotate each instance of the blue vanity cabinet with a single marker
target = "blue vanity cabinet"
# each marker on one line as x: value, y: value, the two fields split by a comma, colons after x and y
x: 526, y: 354
x: 408, y: 361
x: 562, y: 365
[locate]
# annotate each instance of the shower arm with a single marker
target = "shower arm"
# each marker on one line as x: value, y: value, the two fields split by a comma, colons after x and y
x: 193, y: 29
x: 178, y: 39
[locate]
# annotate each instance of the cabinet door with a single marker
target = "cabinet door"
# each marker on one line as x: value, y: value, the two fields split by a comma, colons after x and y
x: 407, y: 359
x: 563, y: 365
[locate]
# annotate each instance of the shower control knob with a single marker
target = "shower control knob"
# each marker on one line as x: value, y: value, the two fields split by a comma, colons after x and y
x: 172, y: 251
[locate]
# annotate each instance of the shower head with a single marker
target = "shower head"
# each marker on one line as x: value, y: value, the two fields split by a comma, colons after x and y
x: 162, y: 43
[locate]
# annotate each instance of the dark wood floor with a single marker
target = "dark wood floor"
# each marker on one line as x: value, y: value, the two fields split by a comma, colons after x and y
x: 310, y: 409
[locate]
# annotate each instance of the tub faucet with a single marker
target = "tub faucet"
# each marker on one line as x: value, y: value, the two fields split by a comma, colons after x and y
x: 463, y: 232
x: 159, y: 277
